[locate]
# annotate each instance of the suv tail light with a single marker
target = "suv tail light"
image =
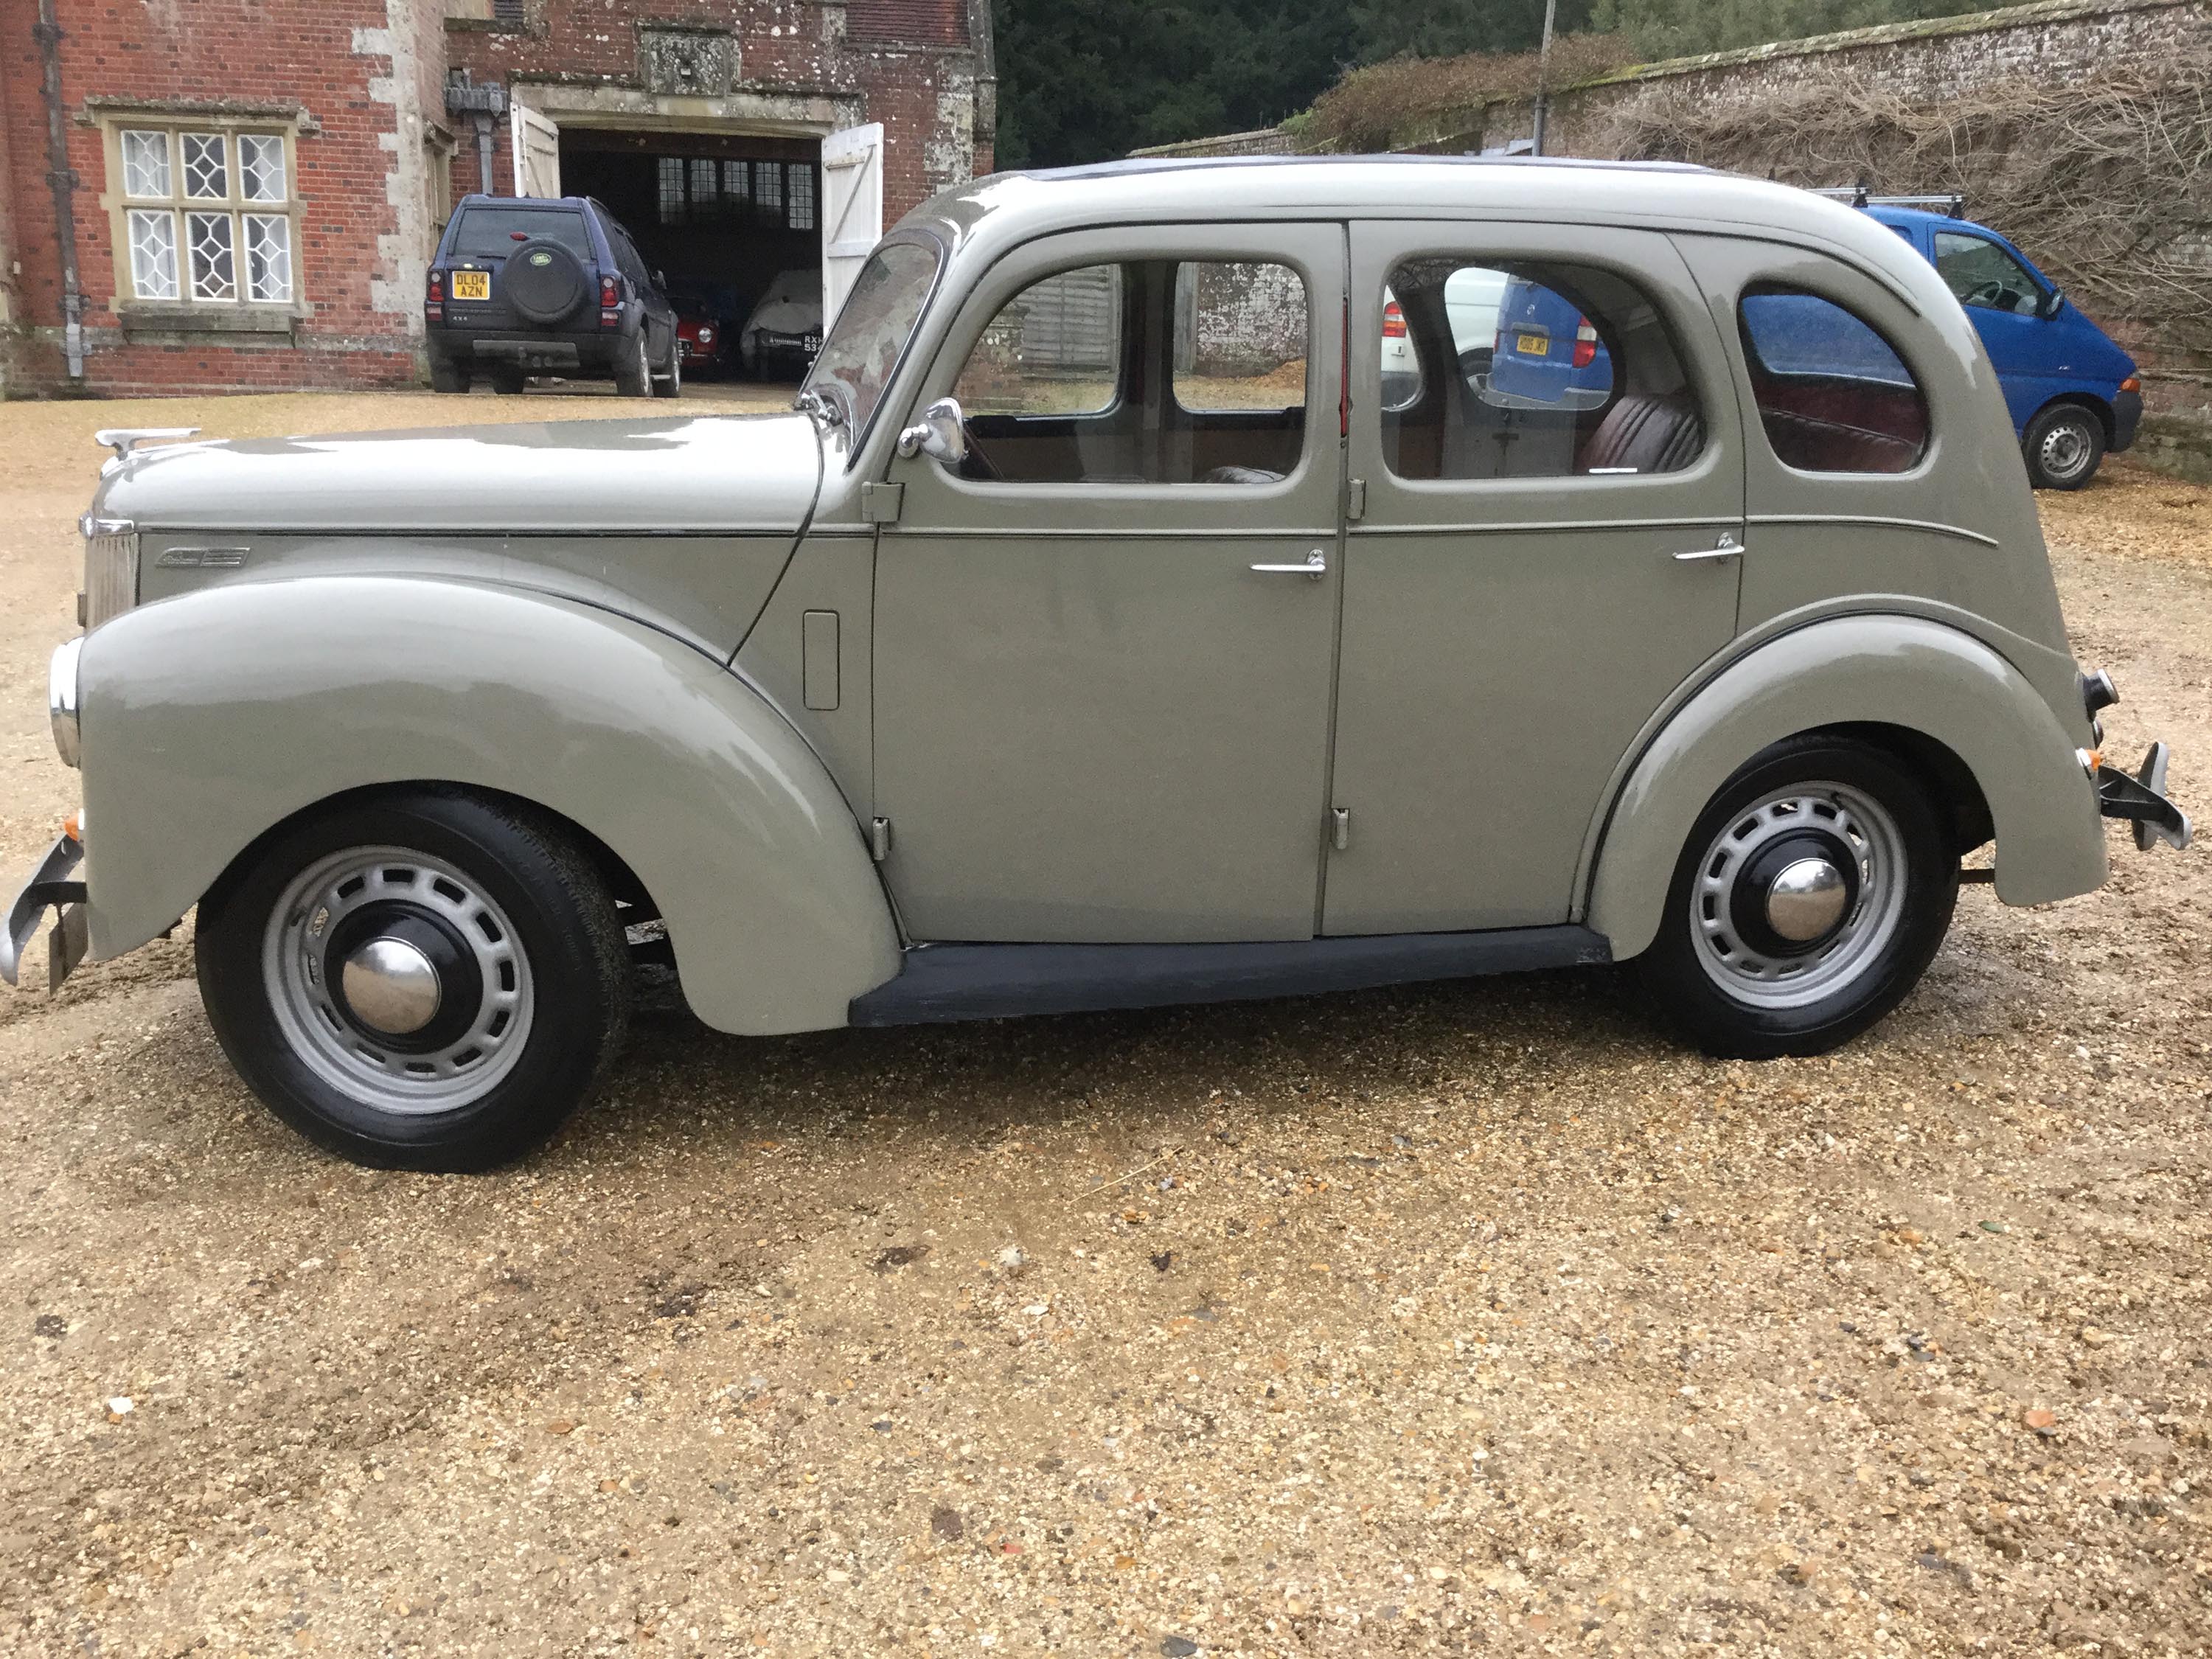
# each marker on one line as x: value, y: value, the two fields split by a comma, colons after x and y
x: 434, y: 297
x: 610, y: 303
x: 1393, y: 322
x: 1585, y: 343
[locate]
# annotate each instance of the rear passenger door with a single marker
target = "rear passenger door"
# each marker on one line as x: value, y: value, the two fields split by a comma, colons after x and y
x: 1543, y: 554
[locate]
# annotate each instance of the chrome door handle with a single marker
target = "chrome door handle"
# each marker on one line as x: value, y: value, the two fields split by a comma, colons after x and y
x: 1316, y: 567
x: 1727, y: 547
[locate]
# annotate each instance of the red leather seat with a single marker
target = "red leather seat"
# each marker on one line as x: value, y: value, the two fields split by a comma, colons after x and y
x: 1645, y: 434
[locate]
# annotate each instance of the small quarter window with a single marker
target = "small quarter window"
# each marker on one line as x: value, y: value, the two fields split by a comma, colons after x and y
x: 1529, y: 369
x: 1054, y: 348
x: 1834, y: 395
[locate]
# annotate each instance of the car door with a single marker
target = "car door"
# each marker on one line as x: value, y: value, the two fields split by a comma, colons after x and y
x: 1541, y: 559
x: 1103, y: 642
x: 2004, y: 301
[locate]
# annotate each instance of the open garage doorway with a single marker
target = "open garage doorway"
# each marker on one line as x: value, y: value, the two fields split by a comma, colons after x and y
x: 734, y: 222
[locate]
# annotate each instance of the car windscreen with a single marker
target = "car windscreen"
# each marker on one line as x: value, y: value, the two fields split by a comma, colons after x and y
x: 856, y: 362
x: 490, y: 233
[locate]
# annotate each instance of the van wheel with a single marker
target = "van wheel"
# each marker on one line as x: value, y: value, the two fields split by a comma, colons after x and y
x: 2064, y: 446
x: 427, y: 981
x: 633, y: 371
x: 1811, y: 896
x: 446, y: 376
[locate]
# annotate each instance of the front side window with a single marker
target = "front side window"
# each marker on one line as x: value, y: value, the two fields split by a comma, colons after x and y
x: 207, y: 216
x: 1834, y: 395
x: 1156, y: 371
x: 1982, y: 274
x: 1529, y: 369
x: 862, y: 352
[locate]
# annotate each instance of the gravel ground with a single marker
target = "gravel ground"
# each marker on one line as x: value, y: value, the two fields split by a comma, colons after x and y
x: 1417, y: 1321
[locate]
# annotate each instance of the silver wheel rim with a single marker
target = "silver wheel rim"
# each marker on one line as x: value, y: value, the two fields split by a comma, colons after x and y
x: 377, y: 1070
x: 2064, y: 450
x: 1768, y: 978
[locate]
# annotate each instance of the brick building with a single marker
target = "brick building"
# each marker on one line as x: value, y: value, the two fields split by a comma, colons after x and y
x: 251, y: 189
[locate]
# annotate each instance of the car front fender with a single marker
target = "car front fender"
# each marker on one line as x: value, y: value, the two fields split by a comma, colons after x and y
x: 1887, y: 670
x: 210, y: 718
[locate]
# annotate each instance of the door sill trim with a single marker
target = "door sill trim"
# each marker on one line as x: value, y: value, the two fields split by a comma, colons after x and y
x: 939, y: 983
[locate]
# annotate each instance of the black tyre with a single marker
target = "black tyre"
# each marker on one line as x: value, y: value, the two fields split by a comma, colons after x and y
x: 432, y: 981
x: 508, y: 382
x: 633, y: 373
x: 1812, y: 896
x: 544, y: 281
x: 447, y: 376
x: 2063, y: 446
x: 669, y: 383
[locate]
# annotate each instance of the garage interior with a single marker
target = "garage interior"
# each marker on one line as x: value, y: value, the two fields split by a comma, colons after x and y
x: 722, y: 214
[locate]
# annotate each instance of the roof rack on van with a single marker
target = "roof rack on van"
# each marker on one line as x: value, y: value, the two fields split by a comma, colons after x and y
x: 1952, y: 204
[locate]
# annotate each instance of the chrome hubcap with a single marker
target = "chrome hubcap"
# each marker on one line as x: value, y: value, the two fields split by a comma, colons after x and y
x: 392, y: 985
x: 1805, y: 900
x: 398, y: 979
x: 2065, y: 449
x: 1798, y: 894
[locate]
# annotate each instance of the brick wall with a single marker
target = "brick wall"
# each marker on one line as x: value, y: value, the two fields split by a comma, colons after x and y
x: 359, y: 85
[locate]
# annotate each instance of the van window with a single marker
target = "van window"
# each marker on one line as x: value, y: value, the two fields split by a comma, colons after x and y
x: 1982, y: 274
x: 1156, y: 371
x: 1529, y: 370
x: 1834, y: 395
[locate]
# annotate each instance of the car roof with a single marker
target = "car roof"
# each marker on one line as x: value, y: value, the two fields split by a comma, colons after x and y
x: 1905, y: 217
x: 1005, y: 208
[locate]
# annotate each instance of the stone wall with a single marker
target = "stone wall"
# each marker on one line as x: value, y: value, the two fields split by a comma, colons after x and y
x: 1935, y: 64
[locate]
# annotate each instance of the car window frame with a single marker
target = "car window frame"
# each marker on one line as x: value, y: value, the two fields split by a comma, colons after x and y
x: 858, y: 438
x: 1122, y: 340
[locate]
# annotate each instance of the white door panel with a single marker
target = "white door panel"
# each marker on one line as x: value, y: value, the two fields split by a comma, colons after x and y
x: 537, y: 152
x: 852, y: 210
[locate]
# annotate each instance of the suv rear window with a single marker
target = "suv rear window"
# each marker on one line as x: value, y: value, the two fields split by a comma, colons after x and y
x: 487, y: 233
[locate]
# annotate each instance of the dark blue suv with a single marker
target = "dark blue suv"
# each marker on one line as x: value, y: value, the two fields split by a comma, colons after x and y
x: 2073, y: 394
x: 523, y: 285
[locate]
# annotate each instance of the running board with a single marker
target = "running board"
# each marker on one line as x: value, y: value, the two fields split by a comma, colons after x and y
x: 944, y: 982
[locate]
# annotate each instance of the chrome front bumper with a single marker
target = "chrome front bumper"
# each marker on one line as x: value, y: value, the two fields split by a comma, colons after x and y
x: 51, y: 887
x: 2141, y: 799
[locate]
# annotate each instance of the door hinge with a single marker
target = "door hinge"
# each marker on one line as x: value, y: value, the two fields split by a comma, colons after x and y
x: 880, y: 502
x: 879, y: 839
x: 1355, y: 506
x: 1340, y: 827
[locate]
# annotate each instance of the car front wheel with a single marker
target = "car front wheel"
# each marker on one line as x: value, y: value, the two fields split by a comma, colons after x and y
x: 633, y: 368
x: 2063, y: 446
x: 428, y: 982
x: 1810, y: 898
x: 670, y: 382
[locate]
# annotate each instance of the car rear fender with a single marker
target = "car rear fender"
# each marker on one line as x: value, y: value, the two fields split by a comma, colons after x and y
x: 1892, y: 671
x: 210, y: 718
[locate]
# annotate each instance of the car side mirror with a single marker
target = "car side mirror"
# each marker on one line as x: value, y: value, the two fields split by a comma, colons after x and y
x: 2052, y: 301
x: 941, y: 434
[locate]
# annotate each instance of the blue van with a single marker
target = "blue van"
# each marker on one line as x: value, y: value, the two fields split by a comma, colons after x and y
x: 2073, y: 394
x: 1547, y: 355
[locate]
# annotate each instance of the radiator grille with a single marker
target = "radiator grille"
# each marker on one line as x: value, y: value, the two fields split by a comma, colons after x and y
x: 111, y: 577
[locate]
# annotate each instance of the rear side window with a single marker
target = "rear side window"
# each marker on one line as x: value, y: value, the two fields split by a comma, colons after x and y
x: 1834, y: 395
x: 1529, y: 370
x: 489, y: 232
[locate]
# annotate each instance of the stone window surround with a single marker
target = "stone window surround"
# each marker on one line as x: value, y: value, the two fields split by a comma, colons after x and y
x: 183, y: 317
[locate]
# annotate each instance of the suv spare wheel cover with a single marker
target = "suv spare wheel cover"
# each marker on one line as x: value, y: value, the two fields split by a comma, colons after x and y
x: 544, y: 280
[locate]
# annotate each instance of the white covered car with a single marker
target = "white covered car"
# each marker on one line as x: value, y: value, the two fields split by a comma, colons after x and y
x: 784, y: 331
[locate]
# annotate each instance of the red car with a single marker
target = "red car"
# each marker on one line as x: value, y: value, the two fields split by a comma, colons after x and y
x: 704, y: 338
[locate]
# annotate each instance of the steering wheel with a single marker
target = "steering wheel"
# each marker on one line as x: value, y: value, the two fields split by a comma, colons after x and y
x: 1992, y: 294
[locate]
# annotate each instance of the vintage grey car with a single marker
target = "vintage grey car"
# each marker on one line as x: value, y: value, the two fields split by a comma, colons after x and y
x: 1059, y: 651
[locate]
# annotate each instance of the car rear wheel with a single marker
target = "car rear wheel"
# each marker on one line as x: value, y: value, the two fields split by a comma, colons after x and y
x: 1810, y: 898
x: 633, y: 373
x: 508, y: 382
x: 447, y: 376
x: 428, y: 982
x: 2063, y: 446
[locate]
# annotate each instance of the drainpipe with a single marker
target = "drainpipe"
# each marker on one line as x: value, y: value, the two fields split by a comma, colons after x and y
x: 62, y: 180
x: 485, y: 103
x: 1543, y: 79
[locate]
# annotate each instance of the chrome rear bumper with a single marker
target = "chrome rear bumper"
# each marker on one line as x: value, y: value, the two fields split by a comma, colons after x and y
x: 51, y: 887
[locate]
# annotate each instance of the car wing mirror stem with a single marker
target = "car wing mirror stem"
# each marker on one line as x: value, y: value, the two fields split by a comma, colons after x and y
x: 941, y: 434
